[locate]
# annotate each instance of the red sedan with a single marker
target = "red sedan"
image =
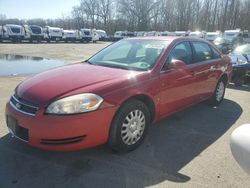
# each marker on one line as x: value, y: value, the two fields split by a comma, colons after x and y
x: 115, y: 95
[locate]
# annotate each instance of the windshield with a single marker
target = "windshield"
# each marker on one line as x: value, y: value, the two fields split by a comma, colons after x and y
x: 134, y: 54
x: 244, y: 49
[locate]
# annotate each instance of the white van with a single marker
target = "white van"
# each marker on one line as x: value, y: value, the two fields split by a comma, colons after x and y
x: 211, y: 36
x: 33, y: 33
x: 231, y: 35
x: 12, y: 32
x: 119, y: 35
x: 86, y: 35
x: 53, y: 33
x: 69, y: 35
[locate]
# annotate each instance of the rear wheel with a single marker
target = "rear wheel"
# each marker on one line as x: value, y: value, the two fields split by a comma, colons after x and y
x: 129, y: 126
x: 219, y: 93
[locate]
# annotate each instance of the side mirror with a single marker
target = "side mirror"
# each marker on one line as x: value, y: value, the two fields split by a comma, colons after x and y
x: 225, y: 51
x: 240, y: 146
x: 176, y: 64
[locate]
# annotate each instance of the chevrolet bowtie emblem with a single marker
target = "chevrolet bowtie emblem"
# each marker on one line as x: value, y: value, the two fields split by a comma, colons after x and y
x: 18, y: 105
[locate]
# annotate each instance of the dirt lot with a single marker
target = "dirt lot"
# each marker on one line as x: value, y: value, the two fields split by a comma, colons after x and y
x: 189, y: 149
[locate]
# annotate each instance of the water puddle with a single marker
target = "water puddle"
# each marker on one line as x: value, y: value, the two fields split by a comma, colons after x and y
x: 17, y: 65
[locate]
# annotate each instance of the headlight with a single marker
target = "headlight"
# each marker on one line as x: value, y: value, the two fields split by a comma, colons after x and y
x: 75, y: 104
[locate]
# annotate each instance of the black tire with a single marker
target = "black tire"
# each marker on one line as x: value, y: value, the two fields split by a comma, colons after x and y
x: 217, y: 96
x: 116, y: 141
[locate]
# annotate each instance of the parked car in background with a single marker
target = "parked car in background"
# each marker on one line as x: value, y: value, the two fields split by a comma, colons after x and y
x: 14, y: 33
x: 211, y: 36
x: 246, y: 36
x: 86, y: 35
x: 165, y: 33
x: 240, y: 146
x: 153, y: 33
x: 119, y: 35
x: 33, y: 33
x: 1, y: 33
x: 123, y: 34
x: 240, y: 58
x: 69, y: 35
x: 102, y: 35
x: 140, y: 33
x: 223, y: 44
x: 136, y: 81
x: 129, y: 34
x: 53, y: 34
x: 181, y: 33
x: 198, y: 34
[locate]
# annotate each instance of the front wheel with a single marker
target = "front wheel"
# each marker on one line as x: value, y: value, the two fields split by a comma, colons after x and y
x: 219, y: 93
x: 129, y: 126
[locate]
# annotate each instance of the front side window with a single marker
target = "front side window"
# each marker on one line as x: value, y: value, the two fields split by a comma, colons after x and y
x: 202, y: 52
x: 183, y: 52
x: 130, y: 54
x: 216, y: 54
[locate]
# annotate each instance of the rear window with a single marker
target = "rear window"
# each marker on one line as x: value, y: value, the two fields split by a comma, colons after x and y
x: 202, y: 52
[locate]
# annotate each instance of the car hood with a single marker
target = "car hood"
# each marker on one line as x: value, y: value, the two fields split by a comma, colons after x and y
x: 45, y: 87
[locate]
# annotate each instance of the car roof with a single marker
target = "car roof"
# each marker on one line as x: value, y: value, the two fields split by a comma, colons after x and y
x: 169, y: 38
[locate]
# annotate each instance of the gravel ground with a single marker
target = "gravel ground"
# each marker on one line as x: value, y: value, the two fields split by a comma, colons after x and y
x: 188, y: 149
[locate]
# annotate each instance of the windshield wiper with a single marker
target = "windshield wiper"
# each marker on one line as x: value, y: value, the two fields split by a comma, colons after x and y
x: 113, y: 66
x: 87, y: 61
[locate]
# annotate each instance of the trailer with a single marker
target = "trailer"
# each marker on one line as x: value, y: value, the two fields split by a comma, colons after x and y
x: 86, y: 35
x: 14, y: 33
x: 69, y: 35
x: 53, y: 34
x: 33, y: 33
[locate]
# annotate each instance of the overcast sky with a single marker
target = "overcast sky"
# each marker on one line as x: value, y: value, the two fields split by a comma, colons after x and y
x: 25, y: 9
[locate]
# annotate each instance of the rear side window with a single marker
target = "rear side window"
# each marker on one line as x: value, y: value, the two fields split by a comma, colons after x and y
x: 202, y: 52
x: 183, y: 52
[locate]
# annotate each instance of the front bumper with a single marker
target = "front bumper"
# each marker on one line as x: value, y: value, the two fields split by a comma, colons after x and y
x: 64, y: 132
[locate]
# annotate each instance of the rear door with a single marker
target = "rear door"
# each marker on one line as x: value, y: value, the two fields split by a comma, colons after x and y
x: 205, y: 66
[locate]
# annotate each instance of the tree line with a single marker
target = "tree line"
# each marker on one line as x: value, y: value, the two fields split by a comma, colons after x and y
x: 145, y: 15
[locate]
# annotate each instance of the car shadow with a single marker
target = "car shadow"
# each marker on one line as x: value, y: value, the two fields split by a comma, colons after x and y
x: 169, y: 146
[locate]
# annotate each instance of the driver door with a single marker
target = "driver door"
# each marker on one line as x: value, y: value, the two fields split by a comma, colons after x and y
x: 178, y: 86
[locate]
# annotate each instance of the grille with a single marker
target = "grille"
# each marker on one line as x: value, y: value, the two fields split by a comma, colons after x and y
x: 23, y: 106
x: 22, y: 133
x: 17, y: 130
x: 62, y: 141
